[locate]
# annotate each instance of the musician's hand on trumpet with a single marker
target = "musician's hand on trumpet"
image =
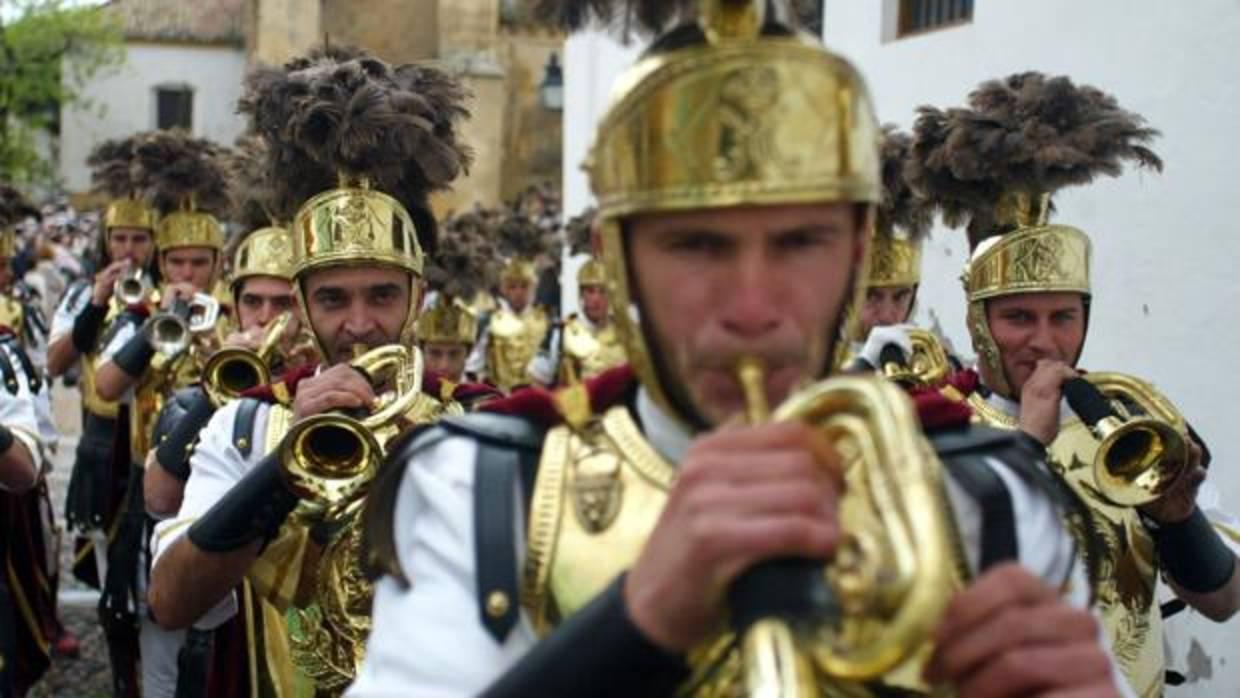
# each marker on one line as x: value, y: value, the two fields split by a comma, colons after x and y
x: 744, y: 494
x: 1040, y: 399
x: 340, y: 387
x: 105, y: 281
x: 1178, y: 503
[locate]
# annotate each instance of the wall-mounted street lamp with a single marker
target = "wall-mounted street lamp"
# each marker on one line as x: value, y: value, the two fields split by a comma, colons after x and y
x: 551, y: 91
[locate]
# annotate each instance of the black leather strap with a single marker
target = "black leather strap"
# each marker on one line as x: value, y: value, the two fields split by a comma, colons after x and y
x: 597, y: 652
x: 33, y: 381
x: 998, y: 527
x: 254, y: 509
x: 135, y: 356
x: 243, y: 426
x: 194, y: 664
x: 186, y: 414
x: 7, y: 372
x: 495, y: 477
x: 507, y: 448
x: 87, y: 327
x: 6, y: 439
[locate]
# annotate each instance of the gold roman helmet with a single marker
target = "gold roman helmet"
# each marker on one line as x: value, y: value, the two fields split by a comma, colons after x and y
x: 184, y: 179
x: 522, y: 240
x: 748, y: 113
x: 579, y: 231
x: 359, y: 185
x: 463, y: 265
x: 266, y: 249
x: 902, y: 220
x: 113, y: 174
x: 992, y: 167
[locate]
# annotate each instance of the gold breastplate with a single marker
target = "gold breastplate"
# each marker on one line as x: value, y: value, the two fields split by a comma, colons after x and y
x: 514, y: 338
x: 328, y: 636
x: 590, y: 352
x: 599, y: 493
x: 1128, y: 568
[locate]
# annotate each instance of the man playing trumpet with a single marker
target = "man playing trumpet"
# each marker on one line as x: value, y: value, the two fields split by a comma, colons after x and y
x: 1028, y: 288
x: 596, y: 541
x: 363, y: 220
x: 148, y: 357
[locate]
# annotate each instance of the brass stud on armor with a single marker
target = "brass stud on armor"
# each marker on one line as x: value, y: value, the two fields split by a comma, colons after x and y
x: 497, y: 604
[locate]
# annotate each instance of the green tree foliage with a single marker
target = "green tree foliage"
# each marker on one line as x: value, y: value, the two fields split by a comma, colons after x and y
x: 49, y: 49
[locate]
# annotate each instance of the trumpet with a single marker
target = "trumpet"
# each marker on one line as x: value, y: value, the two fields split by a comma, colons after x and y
x: 329, y: 459
x: 132, y: 287
x: 1144, y: 448
x: 233, y: 370
x: 874, y: 605
x: 926, y: 365
x: 171, y: 331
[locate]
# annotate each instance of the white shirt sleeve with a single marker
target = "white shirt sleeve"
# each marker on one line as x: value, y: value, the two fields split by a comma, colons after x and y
x: 476, y: 362
x: 436, y: 619
x: 215, y: 466
x: 71, y: 305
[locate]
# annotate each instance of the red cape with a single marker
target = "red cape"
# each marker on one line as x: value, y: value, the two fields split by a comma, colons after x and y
x: 609, y: 388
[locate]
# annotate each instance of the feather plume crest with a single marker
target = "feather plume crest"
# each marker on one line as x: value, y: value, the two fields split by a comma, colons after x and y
x: 579, y: 232
x: 1026, y: 133
x: 902, y: 209
x: 345, y: 113
x: 14, y: 206
x: 171, y: 168
x: 112, y: 170
x: 465, y: 261
x: 518, y: 235
x: 252, y: 195
x: 650, y: 17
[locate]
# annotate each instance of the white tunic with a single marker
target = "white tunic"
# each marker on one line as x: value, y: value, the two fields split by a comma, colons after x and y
x: 27, y: 414
x: 427, y: 641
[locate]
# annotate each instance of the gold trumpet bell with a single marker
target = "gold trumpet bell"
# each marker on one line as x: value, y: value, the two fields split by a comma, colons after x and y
x: 1143, y: 449
x: 329, y: 459
x: 1139, y: 460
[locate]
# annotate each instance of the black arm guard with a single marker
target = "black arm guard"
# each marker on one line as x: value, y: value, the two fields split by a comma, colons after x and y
x: 596, y: 652
x: 1194, y: 554
x: 177, y: 428
x: 87, y: 326
x: 254, y: 509
x: 6, y: 439
x: 135, y: 356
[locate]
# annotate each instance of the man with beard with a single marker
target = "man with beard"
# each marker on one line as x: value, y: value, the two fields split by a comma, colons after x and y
x: 1029, y: 297
x: 596, y: 541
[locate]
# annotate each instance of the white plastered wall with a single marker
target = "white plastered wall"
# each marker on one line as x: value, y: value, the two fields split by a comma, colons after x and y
x: 1166, y: 289
x: 122, y: 102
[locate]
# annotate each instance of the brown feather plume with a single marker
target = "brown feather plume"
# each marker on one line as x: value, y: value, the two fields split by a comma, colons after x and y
x: 172, y: 168
x: 647, y: 17
x: 465, y: 261
x: 519, y: 235
x: 251, y: 193
x: 330, y: 115
x: 14, y: 206
x: 112, y: 168
x: 579, y: 231
x: 902, y: 209
x: 1026, y: 133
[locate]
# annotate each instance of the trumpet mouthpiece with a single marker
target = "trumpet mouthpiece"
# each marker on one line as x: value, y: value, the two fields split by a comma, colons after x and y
x: 751, y: 374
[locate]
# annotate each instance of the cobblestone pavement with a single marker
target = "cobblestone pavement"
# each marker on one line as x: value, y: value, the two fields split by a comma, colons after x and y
x: 88, y: 675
